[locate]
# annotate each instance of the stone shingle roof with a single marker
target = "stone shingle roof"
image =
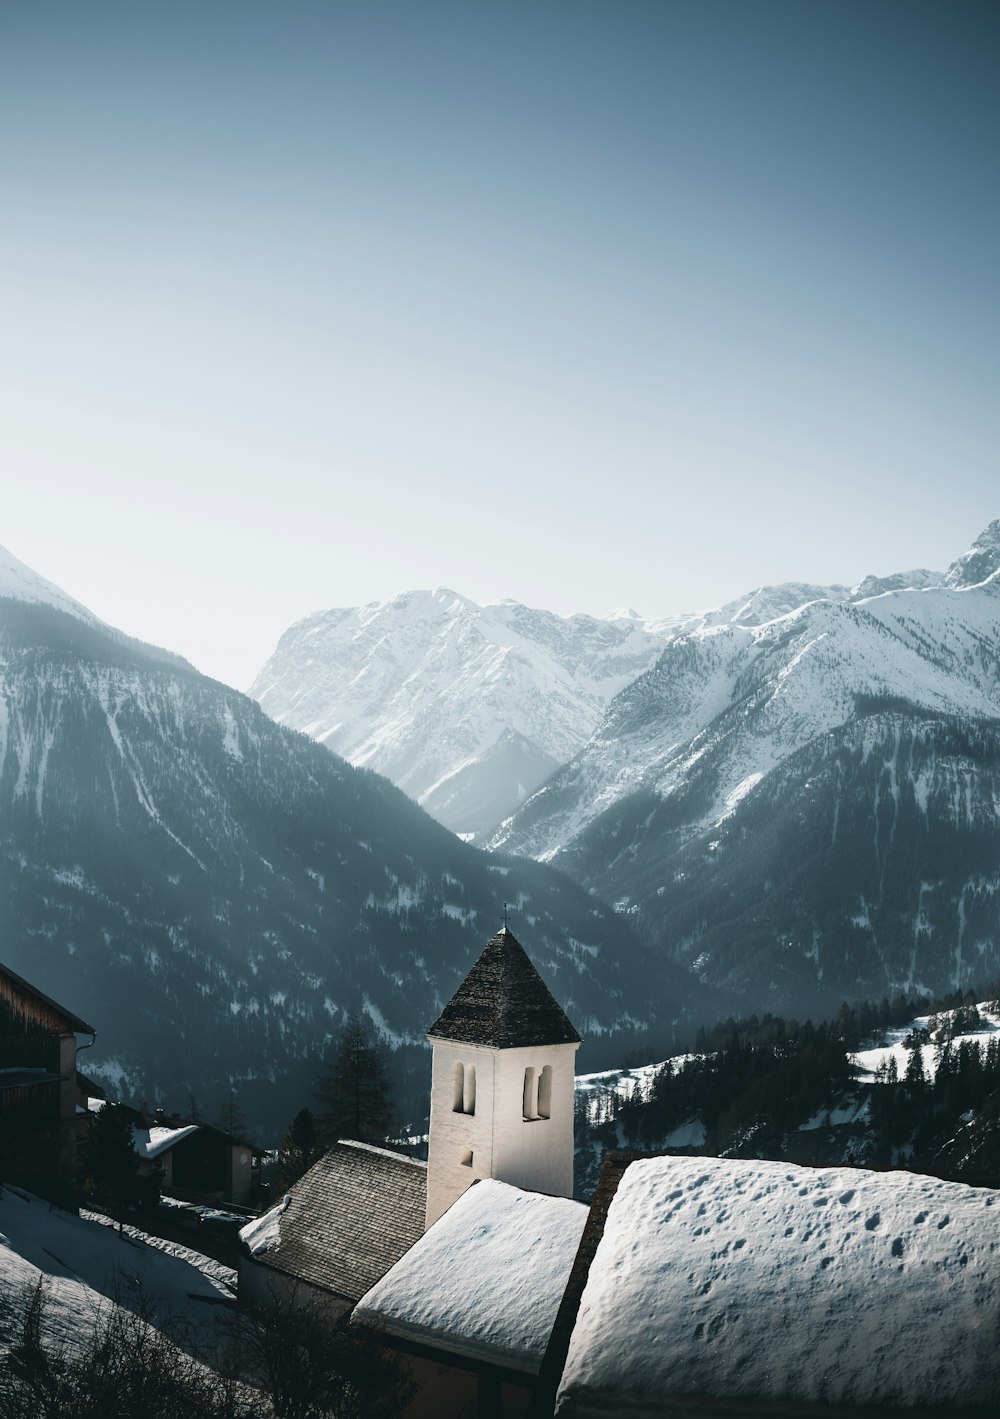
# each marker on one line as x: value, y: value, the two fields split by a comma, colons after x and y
x: 353, y: 1215
x: 503, y: 1003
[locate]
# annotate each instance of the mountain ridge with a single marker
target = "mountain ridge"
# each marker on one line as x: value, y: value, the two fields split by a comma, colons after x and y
x: 733, y: 719
x: 216, y: 892
x: 461, y: 705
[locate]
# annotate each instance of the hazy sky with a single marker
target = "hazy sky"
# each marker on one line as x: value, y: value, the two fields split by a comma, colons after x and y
x: 588, y: 304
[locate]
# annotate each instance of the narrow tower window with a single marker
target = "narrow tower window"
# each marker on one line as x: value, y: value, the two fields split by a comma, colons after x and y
x: 463, y: 1089
x: 529, y: 1102
x: 545, y: 1092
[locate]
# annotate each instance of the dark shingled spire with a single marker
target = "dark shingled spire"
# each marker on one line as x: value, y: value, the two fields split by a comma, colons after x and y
x: 503, y: 1003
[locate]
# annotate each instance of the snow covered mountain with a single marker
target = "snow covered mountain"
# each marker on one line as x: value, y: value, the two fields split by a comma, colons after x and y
x: 467, y: 708
x: 214, y: 891
x: 805, y: 808
x: 19, y: 583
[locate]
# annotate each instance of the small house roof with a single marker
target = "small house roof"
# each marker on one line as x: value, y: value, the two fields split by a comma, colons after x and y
x: 764, y: 1284
x: 151, y: 1142
x: 503, y: 1003
x: 342, y: 1226
x: 486, y: 1280
x: 18, y: 986
x: 185, y: 1127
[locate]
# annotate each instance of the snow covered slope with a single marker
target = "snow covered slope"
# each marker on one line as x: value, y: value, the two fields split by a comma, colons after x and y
x: 19, y: 583
x: 84, y: 1265
x: 467, y: 708
x: 783, y: 758
x: 215, y: 891
x: 470, y: 708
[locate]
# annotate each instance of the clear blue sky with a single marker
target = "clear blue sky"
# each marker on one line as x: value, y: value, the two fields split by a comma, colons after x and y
x: 588, y: 304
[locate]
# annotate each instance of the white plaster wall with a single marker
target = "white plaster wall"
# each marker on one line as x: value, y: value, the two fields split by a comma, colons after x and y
x: 536, y: 1155
x: 453, y: 1134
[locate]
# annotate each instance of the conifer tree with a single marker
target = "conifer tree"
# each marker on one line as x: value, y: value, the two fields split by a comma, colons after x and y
x: 231, y: 1117
x: 355, y: 1089
x: 297, y: 1151
x: 109, y: 1163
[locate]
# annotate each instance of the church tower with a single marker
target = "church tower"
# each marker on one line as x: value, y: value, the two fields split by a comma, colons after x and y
x: 502, y: 1082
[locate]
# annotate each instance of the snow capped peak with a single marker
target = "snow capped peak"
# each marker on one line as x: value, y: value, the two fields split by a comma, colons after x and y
x: 916, y: 579
x: 980, y: 562
x: 466, y: 707
x: 624, y: 613
x: 19, y: 583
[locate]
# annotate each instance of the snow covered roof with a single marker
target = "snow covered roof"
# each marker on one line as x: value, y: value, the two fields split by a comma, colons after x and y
x: 503, y: 1003
x: 765, y: 1282
x: 342, y: 1226
x: 151, y: 1142
x: 264, y: 1232
x: 486, y: 1280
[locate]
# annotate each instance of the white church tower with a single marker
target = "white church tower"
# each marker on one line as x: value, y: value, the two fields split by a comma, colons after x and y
x: 502, y: 1082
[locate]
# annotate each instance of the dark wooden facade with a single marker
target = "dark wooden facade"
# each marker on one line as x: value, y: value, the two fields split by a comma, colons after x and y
x: 37, y: 1088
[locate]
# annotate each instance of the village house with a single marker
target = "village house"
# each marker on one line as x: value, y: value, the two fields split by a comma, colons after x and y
x: 356, y: 1212
x: 501, y: 1112
x: 199, y: 1162
x: 38, y: 1088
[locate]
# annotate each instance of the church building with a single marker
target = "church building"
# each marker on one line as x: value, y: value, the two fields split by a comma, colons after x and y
x: 501, y: 1082
x: 694, y: 1286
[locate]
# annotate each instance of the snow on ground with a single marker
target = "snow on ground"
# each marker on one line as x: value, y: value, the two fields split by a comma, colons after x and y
x: 849, y: 1110
x: 736, y: 1279
x: 83, y: 1262
x: 689, y: 1135
x: 868, y: 1060
x: 624, y: 1082
x: 486, y: 1280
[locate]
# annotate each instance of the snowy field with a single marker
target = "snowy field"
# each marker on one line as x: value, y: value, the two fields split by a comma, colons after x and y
x: 623, y: 1082
x: 84, y: 1262
x: 868, y: 1060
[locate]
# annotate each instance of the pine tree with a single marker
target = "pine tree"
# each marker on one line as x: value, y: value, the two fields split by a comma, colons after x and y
x: 355, y: 1089
x: 109, y: 1163
x: 297, y: 1151
x: 231, y: 1117
x: 915, y: 1074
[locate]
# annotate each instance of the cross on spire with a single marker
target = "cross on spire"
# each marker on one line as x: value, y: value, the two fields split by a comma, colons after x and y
x: 506, y: 916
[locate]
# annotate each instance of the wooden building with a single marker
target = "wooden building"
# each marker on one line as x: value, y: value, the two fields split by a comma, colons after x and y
x: 38, y: 1088
x: 201, y: 1163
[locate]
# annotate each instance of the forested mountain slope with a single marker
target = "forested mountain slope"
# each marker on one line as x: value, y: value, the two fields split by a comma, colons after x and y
x: 808, y: 809
x: 214, y: 891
